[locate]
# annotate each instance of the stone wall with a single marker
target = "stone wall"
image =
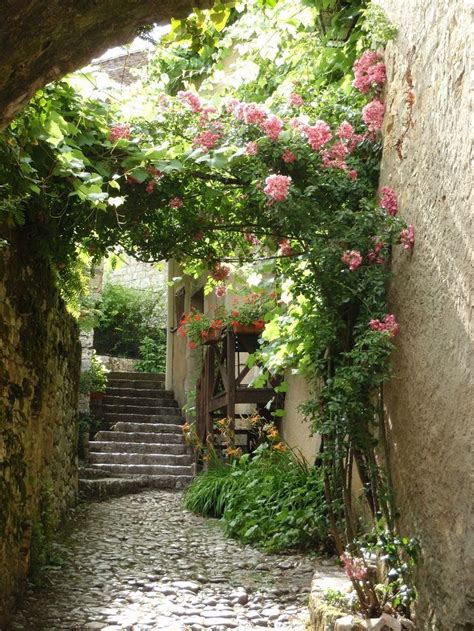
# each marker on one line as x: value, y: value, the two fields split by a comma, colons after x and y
x: 138, y: 275
x: 39, y: 371
x: 426, y: 160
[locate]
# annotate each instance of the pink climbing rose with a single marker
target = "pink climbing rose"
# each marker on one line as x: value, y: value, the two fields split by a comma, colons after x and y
x: 352, y: 173
x: 192, y: 100
x: 369, y: 72
x: 407, y: 238
x: 206, y: 140
x: 318, y: 134
x: 354, y: 566
x: 251, y: 238
x: 251, y: 148
x: 388, y: 325
x: 176, y: 202
x: 372, y: 115
x: 374, y: 255
x: 220, y: 291
x: 272, y: 127
x: 352, y: 258
x: 220, y: 272
x: 119, y: 132
x: 296, y: 100
x: 285, y: 248
x: 277, y: 187
x: 388, y: 200
x: 345, y: 131
x: 288, y: 156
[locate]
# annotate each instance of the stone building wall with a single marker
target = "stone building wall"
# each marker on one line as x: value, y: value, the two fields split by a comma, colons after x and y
x: 429, y: 401
x: 137, y: 275
x: 39, y: 371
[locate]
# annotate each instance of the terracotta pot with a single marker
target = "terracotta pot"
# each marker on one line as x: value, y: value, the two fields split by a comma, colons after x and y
x: 97, y: 396
x: 249, y: 329
x: 212, y: 336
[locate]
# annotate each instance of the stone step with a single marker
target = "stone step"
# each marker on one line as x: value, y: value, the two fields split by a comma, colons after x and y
x: 140, y: 459
x: 115, y: 446
x: 110, y: 408
x: 147, y: 469
x: 154, y: 393
x: 102, y: 488
x: 155, y: 438
x: 146, y: 384
x: 111, y: 399
x: 164, y: 428
x: 142, y: 418
x: 136, y: 376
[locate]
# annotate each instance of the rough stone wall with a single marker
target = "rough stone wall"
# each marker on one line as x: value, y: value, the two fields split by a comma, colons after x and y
x: 426, y: 160
x: 137, y: 275
x: 39, y: 371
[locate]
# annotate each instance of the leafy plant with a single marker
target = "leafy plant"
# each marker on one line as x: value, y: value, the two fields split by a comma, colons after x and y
x: 209, y: 491
x: 126, y: 318
x: 272, y: 499
x: 94, y: 379
x: 152, y: 354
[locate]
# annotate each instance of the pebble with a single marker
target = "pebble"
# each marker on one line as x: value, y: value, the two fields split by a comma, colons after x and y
x: 163, y: 569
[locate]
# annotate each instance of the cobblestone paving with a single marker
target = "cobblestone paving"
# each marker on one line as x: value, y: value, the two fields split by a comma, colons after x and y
x: 142, y: 563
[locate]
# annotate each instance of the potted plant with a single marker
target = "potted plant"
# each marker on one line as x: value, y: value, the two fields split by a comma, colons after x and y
x: 248, y: 317
x: 201, y: 328
x: 94, y: 380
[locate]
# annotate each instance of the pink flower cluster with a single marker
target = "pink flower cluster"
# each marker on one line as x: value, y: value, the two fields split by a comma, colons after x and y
x: 220, y: 272
x: 369, y: 71
x: 388, y: 200
x: 345, y: 131
x: 335, y: 157
x: 296, y: 100
x: 388, y: 325
x: 206, y: 140
x: 220, y: 291
x: 249, y: 113
x: 254, y: 114
x: 372, y: 115
x: 192, y: 100
x: 373, y: 255
x: 251, y: 148
x: 176, y: 202
x: 407, y: 238
x: 272, y: 127
x: 288, y: 156
x: 285, y: 248
x: 251, y: 238
x: 318, y: 134
x: 277, y: 187
x: 119, y: 132
x: 354, y: 567
x: 352, y: 258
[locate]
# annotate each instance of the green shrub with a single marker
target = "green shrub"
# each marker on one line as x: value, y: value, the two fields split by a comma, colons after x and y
x: 209, y: 490
x: 152, y: 354
x: 94, y: 379
x: 278, y: 502
x: 272, y: 499
x: 126, y: 317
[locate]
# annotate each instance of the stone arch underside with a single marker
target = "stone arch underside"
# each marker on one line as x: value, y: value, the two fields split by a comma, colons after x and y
x: 42, y: 40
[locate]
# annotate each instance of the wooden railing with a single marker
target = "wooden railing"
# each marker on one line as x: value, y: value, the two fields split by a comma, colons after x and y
x: 221, y: 386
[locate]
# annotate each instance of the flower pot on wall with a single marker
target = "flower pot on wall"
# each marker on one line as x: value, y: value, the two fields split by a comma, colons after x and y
x: 96, y: 396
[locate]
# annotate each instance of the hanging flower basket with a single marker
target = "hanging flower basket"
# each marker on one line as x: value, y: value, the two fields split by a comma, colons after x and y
x: 249, y: 329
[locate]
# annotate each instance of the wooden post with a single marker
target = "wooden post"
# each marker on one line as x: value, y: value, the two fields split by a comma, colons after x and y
x: 231, y: 385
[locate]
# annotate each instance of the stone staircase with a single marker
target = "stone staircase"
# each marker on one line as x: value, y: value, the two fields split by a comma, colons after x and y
x: 143, y: 445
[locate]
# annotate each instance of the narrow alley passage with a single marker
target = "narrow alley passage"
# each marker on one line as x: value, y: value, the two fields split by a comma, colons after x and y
x: 141, y: 562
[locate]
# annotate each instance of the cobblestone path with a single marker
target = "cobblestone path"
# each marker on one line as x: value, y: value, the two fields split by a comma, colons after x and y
x: 142, y: 563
